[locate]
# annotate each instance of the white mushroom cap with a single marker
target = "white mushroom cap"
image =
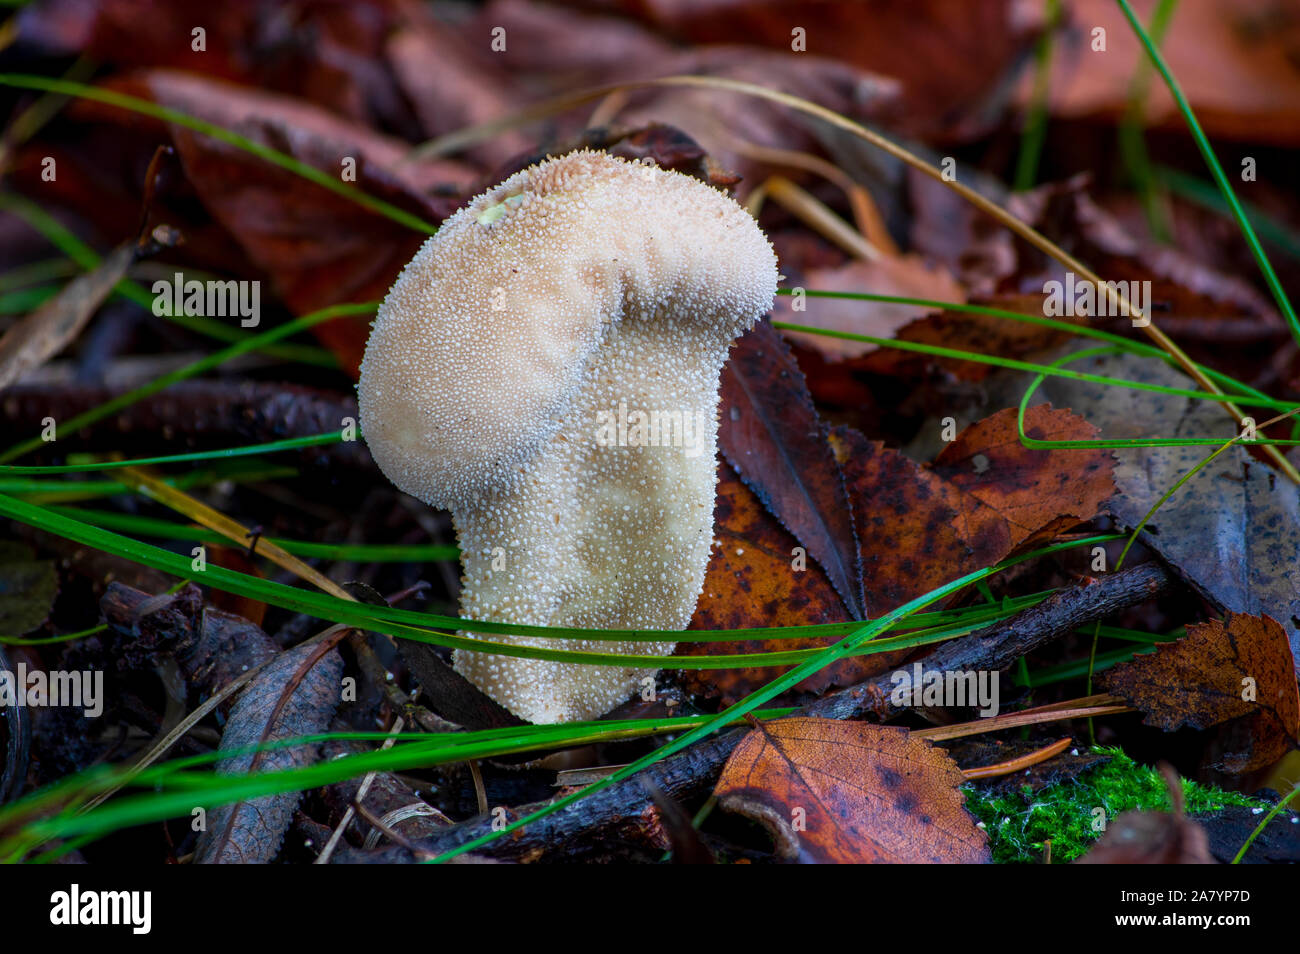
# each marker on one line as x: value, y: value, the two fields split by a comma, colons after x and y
x: 482, y: 341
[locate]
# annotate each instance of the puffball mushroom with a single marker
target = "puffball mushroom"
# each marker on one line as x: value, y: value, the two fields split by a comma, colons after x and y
x: 546, y: 368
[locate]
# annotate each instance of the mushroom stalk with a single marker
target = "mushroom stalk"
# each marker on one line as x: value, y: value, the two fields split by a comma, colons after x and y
x: 547, y: 369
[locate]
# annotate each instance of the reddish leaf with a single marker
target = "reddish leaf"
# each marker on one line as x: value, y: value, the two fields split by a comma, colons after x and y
x: 949, y: 56
x: 906, y: 276
x: 984, y: 497
x: 918, y: 527
x: 751, y: 582
x: 319, y: 248
x: 1240, y: 669
x: 1036, y: 493
x: 773, y: 437
x: 1252, y: 92
x: 850, y: 792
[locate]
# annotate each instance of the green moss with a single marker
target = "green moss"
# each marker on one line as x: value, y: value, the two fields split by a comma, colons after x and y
x: 1019, y: 826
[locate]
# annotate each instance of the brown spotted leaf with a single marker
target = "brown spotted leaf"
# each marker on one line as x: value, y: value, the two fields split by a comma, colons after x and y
x: 918, y: 527
x: 755, y: 579
x: 1036, y: 492
x: 985, y: 496
x: 840, y: 792
x: 1239, y: 669
x: 771, y: 434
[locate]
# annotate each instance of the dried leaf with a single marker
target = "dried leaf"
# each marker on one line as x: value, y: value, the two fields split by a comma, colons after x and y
x: 753, y: 580
x: 841, y: 792
x: 985, y: 497
x: 949, y: 57
x: 918, y: 527
x: 1231, y: 529
x: 1237, y: 669
x: 53, y: 326
x: 319, y: 248
x: 1153, y: 838
x: 906, y: 276
x: 771, y: 434
x: 1252, y: 93
x: 251, y: 832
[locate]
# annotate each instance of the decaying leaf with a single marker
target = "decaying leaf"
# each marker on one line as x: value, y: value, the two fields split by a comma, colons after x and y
x: 906, y: 276
x: 319, y: 248
x: 918, y: 527
x: 1231, y: 529
x: 985, y: 496
x: 1153, y: 838
x: 1239, y: 669
x: 50, y: 328
x: 251, y: 832
x: 849, y: 792
x: 771, y: 434
x: 754, y: 579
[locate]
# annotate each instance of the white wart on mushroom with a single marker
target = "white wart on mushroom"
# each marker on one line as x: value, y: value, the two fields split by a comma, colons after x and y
x: 577, y: 287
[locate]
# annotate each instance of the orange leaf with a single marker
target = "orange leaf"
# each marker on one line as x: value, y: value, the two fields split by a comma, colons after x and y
x: 751, y: 582
x: 1238, y: 669
x: 851, y: 792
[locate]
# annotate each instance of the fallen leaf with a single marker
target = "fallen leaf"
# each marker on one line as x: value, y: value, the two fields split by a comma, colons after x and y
x: 57, y: 323
x: 949, y: 58
x: 906, y: 276
x: 250, y: 832
x: 838, y: 792
x: 1153, y: 838
x: 980, y: 334
x: 773, y: 437
x: 319, y: 248
x: 1230, y: 530
x: 753, y: 580
x: 1238, y: 669
x: 917, y: 528
x: 985, y: 497
x: 1235, y: 61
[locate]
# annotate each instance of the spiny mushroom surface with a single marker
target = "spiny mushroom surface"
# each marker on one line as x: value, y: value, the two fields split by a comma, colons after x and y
x: 546, y: 368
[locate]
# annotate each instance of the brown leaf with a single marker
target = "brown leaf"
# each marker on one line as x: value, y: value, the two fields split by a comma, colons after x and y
x: 1229, y: 530
x: 328, y: 53
x: 1153, y: 838
x: 949, y: 57
x: 1252, y: 92
x: 751, y: 582
x: 840, y: 792
x: 771, y: 434
x: 1239, y: 669
x: 53, y: 326
x: 985, y: 496
x: 318, y: 247
x: 1035, y: 492
x: 918, y: 527
x: 907, y: 522
x: 250, y: 832
x: 906, y: 276
x: 553, y: 50
x: 982, y: 334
